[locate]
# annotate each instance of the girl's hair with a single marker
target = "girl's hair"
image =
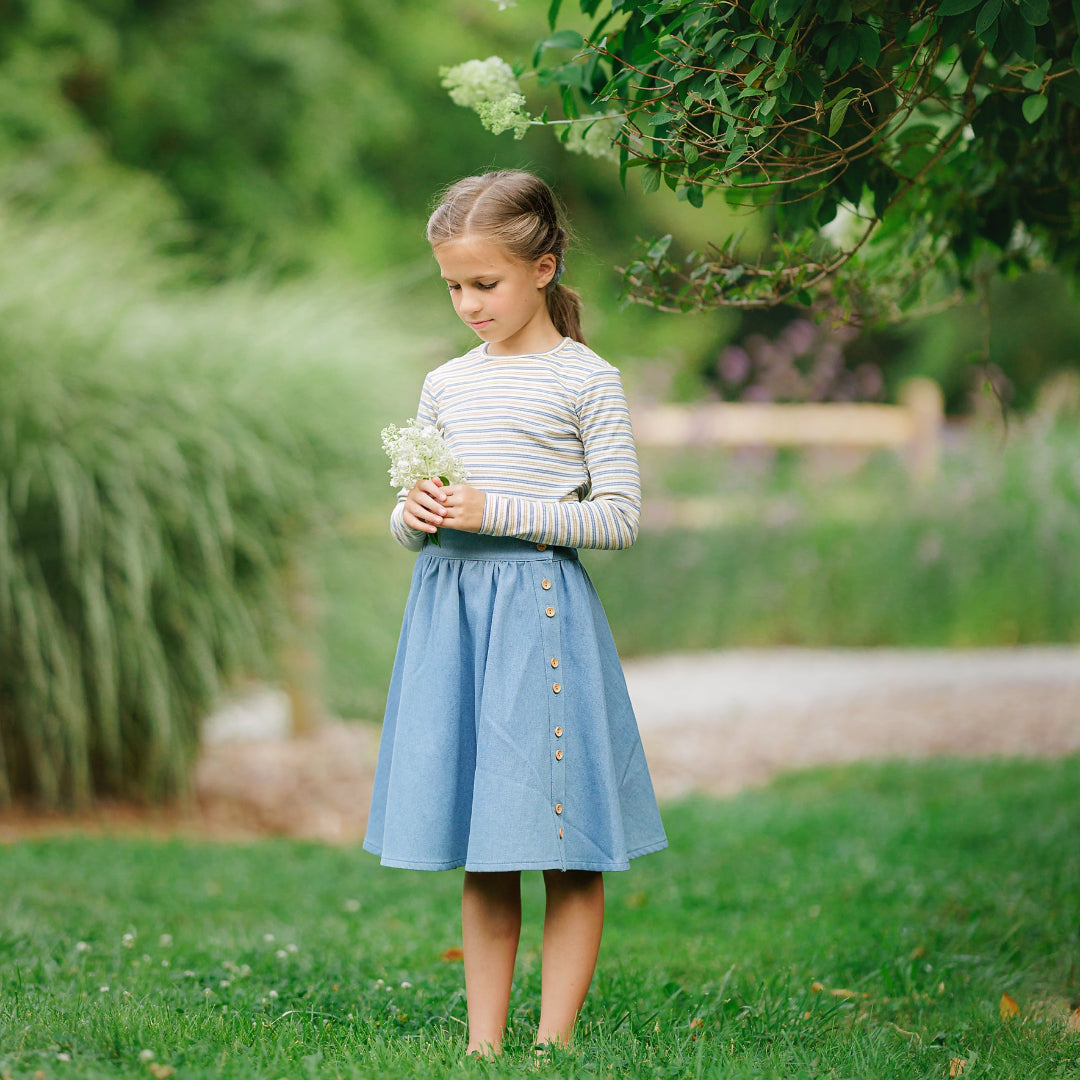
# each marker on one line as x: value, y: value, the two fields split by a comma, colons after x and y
x: 521, y: 213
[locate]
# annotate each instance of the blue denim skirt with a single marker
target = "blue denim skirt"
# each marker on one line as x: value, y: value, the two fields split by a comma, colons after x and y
x: 509, y: 741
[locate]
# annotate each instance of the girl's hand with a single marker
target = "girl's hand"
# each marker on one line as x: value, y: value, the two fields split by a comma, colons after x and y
x: 464, y: 508
x: 424, y: 509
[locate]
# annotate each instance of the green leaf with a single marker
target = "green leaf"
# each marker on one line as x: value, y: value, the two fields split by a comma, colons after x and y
x: 657, y: 119
x: 1076, y: 56
x: 690, y: 153
x: 569, y: 104
x: 553, y: 13
x: 869, y: 44
x: 715, y: 40
x: 659, y: 249
x: 955, y: 7
x: 987, y: 17
x: 695, y: 195
x: 563, y: 39
x: 1020, y: 34
x: 837, y: 114
x: 752, y: 77
x: 917, y: 133
x: 1033, y: 80
x: 1034, y: 107
x: 650, y: 178
x: 1035, y: 12
x: 842, y: 50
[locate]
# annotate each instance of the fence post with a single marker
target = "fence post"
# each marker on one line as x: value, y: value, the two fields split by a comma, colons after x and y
x: 925, y: 403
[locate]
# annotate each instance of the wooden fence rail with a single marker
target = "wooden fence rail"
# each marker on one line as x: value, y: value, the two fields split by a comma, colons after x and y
x: 913, y: 426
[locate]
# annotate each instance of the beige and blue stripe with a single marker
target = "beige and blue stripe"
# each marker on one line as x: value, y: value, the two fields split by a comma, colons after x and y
x: 546, y: 437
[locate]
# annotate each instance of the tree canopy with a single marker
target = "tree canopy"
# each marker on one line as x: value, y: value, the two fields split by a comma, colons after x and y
x: 905, y: 151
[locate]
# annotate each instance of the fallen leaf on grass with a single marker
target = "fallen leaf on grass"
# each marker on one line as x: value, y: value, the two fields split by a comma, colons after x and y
x: 161, y: 1072
x: 1008, y: 1007
x: 903, y: 1031
x: 697, y: 1022
x: 453, y: 954
x: 839, y: 992
x: 1073, y: 1023
x: 956, y: 1066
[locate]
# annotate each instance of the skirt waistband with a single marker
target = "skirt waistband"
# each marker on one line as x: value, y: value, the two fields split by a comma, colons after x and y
x: 462, y: 545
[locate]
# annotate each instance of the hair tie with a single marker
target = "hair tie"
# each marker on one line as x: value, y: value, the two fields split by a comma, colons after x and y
x: 559, y: 271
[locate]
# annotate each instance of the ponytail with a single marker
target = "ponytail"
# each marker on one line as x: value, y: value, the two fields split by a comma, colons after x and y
x: 564, y: 307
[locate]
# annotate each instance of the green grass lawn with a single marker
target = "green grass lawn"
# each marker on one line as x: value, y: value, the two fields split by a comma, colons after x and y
x: 925, y: 891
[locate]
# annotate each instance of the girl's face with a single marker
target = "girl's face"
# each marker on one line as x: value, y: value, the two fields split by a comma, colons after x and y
x: 502, y: 298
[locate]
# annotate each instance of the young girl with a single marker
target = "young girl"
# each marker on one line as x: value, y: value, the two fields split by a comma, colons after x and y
x: 509, y: 742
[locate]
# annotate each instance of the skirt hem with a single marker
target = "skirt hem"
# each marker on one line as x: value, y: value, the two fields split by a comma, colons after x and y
x: 598, y: 866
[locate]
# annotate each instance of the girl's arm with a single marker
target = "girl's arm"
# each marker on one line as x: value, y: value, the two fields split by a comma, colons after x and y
x: 407, y: 537
x: 609, y: 517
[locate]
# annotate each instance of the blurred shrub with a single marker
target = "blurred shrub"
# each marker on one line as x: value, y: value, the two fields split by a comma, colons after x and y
x: 164, y: 456
x: 986, y: 555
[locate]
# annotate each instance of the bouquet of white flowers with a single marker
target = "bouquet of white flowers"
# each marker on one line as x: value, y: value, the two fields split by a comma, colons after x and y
x: 419, y: 452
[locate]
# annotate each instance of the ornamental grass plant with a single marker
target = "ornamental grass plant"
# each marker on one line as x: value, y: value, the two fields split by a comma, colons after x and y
x: 167, y: 456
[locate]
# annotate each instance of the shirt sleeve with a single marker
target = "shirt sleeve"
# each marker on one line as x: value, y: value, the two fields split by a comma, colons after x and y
x: 413, y: 539
x: 607, y: 514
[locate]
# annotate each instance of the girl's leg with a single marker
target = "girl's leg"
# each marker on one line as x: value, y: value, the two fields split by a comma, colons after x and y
x: 573, y: 924
x: 490, y: 928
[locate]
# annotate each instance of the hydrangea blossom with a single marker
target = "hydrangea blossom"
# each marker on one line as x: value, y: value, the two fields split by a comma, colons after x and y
x: 506, y: 115
x: 418, y: 452
x: 596, y: 139
x: 491, y: 89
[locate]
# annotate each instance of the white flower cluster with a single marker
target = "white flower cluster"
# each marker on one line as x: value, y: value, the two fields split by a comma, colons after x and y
x: 491, y: 89
x: 418, y: 452
x: 506, y: 115
x: 597, y: 139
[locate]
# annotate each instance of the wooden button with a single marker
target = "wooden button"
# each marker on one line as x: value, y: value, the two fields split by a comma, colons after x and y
x: 558, y: 808
x: 554, y: 661
x: 558, y: 733
x: 558, y: 755
x: 545, y: 584
x: 557, y: 687
x: 541, y: 547
x: 549, y: 612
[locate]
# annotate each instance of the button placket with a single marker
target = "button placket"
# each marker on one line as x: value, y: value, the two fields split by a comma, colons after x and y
x: 551, y: 639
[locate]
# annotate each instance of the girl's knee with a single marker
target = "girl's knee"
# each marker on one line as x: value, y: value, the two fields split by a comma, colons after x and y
x: 573, y: 880
x: 500, y: 882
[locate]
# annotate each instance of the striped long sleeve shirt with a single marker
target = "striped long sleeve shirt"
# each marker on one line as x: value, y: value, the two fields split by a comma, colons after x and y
x: 546, y: 437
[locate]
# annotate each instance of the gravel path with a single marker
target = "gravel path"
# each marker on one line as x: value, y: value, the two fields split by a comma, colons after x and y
x: 718, y: 721
x: 710, y: 722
